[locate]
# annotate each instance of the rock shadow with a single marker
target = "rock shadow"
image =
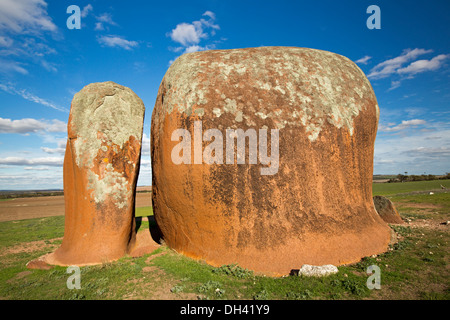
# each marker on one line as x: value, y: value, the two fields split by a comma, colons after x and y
x: 153, y: 228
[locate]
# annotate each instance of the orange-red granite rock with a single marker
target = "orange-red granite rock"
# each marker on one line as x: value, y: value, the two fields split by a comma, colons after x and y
x: 312, y: 206
x: 101, y: 167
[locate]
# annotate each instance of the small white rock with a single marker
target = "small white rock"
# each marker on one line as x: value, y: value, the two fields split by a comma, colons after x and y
x: 317, y: 271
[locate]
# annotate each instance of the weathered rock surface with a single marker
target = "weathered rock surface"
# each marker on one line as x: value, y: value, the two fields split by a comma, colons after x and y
x: 312, y: 206
x: 39, y: 264
x: 386, y: 209
x: 101, y: 167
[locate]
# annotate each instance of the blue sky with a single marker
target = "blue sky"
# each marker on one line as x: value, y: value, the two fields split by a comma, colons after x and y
x: 43, y: 64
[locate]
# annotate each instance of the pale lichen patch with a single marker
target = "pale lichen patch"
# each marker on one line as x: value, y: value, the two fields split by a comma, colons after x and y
x: 230, y: 105
x: 217, y: 112
x: 261, y: 115
x: 110, y: 184
x: 238, y: 117
x: 200, y: 112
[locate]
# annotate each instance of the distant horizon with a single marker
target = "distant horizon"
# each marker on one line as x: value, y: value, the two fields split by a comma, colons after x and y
x: 43, y: 64
x: 147, y: 186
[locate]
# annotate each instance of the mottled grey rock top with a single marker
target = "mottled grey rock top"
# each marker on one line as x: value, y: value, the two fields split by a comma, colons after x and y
x: 105, y: 107
x: 314, y: 87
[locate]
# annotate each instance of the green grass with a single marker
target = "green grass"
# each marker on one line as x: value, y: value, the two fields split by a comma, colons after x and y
x: 413, y: 268
x: 437, y: 199
x: 15, y: 232
x: 407, y: 187
x: 423, y: 206
x: 144, y: 211
x: 233, y: 282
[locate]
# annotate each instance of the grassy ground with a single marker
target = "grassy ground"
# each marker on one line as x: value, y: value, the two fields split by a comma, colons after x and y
x: 408, y: 187
x: 416, y: 267
x: 144, y: 212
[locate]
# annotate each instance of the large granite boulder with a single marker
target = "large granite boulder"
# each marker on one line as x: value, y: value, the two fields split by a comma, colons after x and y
x: 101, y: 167
x: 299, y: 191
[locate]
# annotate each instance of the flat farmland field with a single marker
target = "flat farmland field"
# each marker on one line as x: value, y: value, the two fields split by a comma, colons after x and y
x: 48, y: 206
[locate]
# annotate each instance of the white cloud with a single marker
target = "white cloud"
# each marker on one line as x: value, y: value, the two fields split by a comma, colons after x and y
x: 25, y: 16
x: 28, y: 22
x: 193, y: 48
x: 30, y: 97
x: 395, y: 84
x: 104, y: 19
x: 20, y: 126
x: 34, y: 48
x: 48, y: 66
x: 196, y: 48
x: 26, y: 48
x: 363, y: 60
x: 56, y: 126
x: 46, y: 161
x: 86, y: 10
x: 61, y: 147
x: 40, y: 178
x: 406, y: 96
x: 210, y: 14
x: 145, y: 171
x: 186, y: 33
x: 117, y: 41
x: 5, y: 41
x: 139, y: 66
x: 37, y: 168
x: 189, y: 49
x: 424, y: 65
x: 11, y: 66
x: 416, y: 152
x: 429, y: 152
x: 176, y: 49
x: 189, y: 34
x: 53, y: 150
x: 391, y: 66
x: 415, y: 111
x: 396, y: 66
x: 145, y: 144
x: 29, y: 125
x: 99, y: 26
x: 402, y: 126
